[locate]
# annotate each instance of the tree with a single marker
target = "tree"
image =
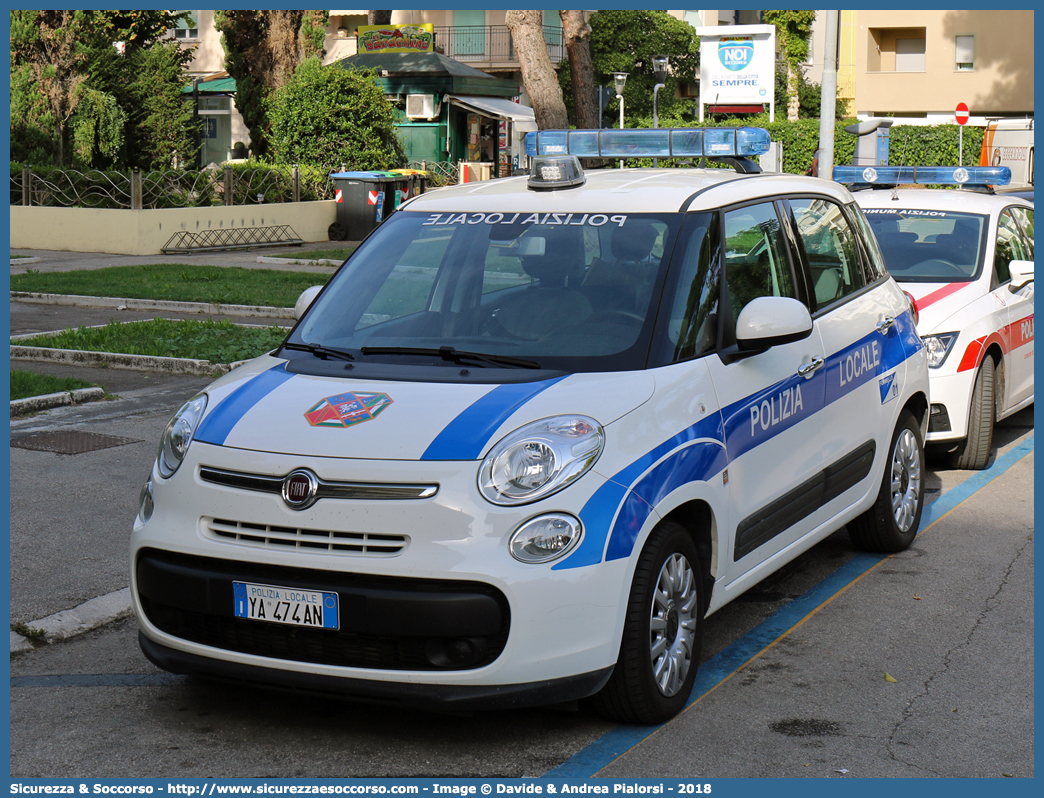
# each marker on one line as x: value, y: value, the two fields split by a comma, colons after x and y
x: 62, y: 58
x: 48, y: 72
x: 793, y: 29
x: 538, y: 76
x: 329, y: 116
x: 577, y: 35
x: 378, y: 17
x: 626, y: 41
x: 262, y: 50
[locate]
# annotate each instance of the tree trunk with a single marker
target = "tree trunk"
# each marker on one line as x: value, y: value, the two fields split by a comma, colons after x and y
x: 539, y: 77
x: 578, y: 44
x: 378, y: 17
x: 793, y: 100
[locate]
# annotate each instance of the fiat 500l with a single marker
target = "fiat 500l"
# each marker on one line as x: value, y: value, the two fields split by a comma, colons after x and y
x: 534, y: 430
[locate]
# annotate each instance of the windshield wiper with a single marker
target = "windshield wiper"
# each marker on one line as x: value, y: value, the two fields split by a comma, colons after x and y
x: 324, y: 352
x: 453, y: 355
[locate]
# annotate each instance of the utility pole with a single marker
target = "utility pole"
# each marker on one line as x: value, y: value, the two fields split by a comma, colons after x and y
x: 828, y: 98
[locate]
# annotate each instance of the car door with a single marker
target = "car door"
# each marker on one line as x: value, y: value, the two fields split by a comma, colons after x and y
x: 1015, y: 242
x: 862, y: 317
x: 769, y: 402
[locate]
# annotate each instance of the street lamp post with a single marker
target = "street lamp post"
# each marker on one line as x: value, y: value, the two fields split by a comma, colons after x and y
x: 619, y: 79
x: 660, y: 74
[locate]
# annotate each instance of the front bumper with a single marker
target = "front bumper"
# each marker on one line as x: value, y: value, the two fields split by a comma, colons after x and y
x: 953, y: 393
x: 446, y: 697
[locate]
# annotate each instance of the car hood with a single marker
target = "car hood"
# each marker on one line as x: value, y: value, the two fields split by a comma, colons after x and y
x: 937, y: 302
x: 263, y: 407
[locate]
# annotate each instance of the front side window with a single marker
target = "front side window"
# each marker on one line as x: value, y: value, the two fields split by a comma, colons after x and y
x: 756, y: 263
x: 567, y: 291
x: 925, y: 246
x: 1010, y: 246
x: 830, y: 246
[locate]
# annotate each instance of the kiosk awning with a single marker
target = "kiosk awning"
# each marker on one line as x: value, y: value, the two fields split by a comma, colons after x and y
x: 522, y: 115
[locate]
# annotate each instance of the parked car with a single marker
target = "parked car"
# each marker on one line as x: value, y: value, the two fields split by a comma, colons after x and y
x: 966, y: 257
x: 534, y: 430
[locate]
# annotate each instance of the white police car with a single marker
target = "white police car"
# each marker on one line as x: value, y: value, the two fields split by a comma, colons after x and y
x: 536, y: 428
x: 966, y: 257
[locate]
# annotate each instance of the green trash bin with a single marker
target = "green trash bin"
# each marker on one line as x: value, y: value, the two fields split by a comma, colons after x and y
x: 364, y: 200
x: 418, y: 180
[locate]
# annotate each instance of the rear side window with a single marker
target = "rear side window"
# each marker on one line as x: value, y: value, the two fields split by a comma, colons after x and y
x: 830, y: 247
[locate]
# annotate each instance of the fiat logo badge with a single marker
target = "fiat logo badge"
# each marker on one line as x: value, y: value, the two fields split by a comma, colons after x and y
x: 299, y: 489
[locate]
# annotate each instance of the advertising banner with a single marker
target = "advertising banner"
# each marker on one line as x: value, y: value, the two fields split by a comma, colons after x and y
x: 737, y: 65
x: 396, y: 38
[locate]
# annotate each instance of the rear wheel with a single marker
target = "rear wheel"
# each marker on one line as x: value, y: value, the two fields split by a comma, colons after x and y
x: 663, y: 632
x: 974, y: 451
x: 890, y: 525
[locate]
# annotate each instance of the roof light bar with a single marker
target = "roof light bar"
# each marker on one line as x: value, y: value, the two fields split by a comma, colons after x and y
x: 688, y: 142
x: 939, y: 175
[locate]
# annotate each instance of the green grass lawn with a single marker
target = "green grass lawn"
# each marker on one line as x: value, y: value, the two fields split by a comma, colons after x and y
x: 25, y: 384
x: 213, y: 341
x: 227, y: 285
x: 322, y: 254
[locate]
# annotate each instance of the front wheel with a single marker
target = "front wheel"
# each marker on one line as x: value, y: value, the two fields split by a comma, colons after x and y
x: 890, y: 525
x: 662, y: 635
x: 974, y: 451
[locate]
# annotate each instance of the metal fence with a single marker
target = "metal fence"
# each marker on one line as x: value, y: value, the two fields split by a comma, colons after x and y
x: 490, y: 42
x: 230, y: 185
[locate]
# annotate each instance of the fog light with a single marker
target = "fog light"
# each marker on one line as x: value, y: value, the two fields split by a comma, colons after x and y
x: 545, y: 538
x: 145, y: 503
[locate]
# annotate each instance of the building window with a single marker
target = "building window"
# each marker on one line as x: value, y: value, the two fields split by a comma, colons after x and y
x: 187, y: 28
x: 909, y: 55
x: 964, y: 53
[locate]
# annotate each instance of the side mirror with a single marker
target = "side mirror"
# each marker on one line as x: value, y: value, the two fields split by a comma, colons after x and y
x: 768, y: 321
x: 305, y: 300
x: 1021, y: 274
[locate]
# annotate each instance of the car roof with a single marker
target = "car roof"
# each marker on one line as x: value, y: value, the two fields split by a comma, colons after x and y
x: 634, y: 190
x: 938, y: 199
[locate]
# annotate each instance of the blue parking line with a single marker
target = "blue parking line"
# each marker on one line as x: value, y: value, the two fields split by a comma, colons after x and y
x: 722, y: 666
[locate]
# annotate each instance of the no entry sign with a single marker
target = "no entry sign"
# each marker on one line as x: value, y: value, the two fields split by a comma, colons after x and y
x: 962, y: 114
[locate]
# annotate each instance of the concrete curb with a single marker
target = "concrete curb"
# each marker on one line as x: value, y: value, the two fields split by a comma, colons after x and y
x: 119, y: 303
x: 300, y: 261
x: 34, y: 404
x: 115, y: 360
x: 23, y: 261
x: 68, y: 623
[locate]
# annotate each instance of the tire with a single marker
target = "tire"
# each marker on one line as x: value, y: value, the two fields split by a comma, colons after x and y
x: 891, y: 524
x: 337, y: 232
x: 662, y: 635
x: 974, y: 451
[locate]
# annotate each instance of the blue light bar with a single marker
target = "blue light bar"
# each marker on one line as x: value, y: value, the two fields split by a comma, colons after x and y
x: 940, y: 175
x: 679, y: 142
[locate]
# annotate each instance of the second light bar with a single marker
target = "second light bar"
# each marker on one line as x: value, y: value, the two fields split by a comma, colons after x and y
x: 688, y: 142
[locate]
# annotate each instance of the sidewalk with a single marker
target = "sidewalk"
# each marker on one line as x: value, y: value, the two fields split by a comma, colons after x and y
x: 62, y: 261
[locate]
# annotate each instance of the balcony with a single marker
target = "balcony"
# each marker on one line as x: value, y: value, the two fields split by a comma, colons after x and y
x: 490, y: 46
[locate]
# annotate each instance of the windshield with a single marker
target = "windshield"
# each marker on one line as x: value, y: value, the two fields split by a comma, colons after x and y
x: 924, y: 246
x: 564, y: 291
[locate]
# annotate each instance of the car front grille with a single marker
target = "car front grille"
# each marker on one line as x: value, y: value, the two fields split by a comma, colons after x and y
x: 266, y: 536
x: 387, y: 623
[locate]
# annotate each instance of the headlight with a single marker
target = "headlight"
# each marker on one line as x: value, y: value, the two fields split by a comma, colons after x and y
x: 545, y: 538
x: 540, y: 459
x: 178, y: 435
x: 938, y: 347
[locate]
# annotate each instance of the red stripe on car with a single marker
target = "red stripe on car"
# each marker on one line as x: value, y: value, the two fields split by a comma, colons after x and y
x: 935, y: 296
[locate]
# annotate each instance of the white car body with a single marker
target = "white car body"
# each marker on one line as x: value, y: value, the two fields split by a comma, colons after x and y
x: 757, y: 454
x: 991, y: 314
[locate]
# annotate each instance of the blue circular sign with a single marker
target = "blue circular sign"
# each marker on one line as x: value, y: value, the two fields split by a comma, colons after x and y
x: 736, y: 53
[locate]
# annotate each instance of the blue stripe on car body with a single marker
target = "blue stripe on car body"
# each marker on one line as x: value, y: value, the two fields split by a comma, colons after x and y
x: 731, y: 436
x: 466, y: 436
x: 230, y: 410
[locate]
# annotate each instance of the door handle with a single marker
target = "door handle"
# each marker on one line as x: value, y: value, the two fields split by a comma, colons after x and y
x: 885, y: 324
x: 808, y: 369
